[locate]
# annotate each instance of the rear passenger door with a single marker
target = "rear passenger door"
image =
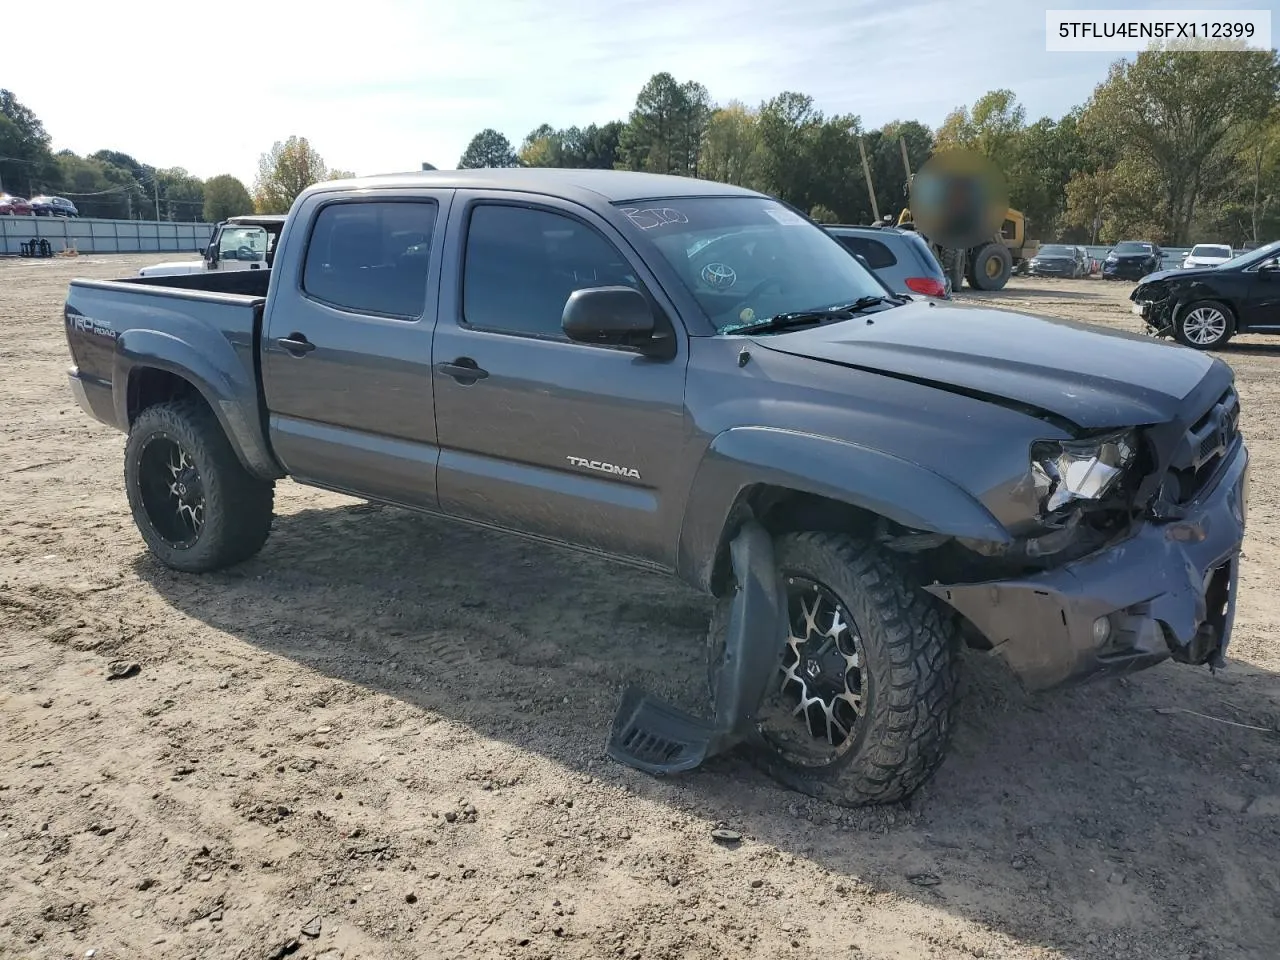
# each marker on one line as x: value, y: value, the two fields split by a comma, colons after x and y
x: 347, y: 344
x: 570, y: 441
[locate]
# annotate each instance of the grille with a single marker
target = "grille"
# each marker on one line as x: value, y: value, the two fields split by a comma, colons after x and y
x: 1205, y: 445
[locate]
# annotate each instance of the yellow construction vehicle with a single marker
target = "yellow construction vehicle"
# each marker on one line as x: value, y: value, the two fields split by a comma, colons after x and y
x: 988, y: 265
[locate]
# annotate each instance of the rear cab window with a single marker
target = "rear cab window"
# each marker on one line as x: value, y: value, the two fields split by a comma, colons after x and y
x: 371, y: 257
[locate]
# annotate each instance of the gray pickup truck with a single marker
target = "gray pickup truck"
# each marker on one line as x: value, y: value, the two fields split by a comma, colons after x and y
x: 695, y: 378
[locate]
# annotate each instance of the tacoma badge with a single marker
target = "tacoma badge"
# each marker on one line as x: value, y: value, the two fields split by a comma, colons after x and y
x: 629, y: 472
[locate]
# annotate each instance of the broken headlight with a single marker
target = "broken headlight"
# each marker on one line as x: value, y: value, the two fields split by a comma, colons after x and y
x: 1081, y: 469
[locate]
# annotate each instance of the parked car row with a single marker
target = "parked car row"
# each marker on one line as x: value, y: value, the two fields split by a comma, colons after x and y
x: 42, y: 206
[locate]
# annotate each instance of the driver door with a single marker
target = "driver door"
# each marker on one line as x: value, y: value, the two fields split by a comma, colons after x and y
x: 568, y: 441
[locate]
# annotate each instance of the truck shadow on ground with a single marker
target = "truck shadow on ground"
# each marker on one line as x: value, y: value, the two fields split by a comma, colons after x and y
x: 1079, y: 820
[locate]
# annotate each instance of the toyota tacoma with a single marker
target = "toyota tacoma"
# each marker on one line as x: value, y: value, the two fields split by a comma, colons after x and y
x: 695, y: 378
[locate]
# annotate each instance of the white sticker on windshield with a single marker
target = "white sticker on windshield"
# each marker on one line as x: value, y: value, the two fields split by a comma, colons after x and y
x: 784, y: 216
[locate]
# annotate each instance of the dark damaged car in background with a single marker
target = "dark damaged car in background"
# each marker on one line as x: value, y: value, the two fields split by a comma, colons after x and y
x: 695, y: 378
x: 1132, y: 260
x: 1059, y: 260
x: 1204, y: 307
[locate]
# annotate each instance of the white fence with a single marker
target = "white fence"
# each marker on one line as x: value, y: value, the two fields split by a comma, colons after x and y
x: 90, y: 235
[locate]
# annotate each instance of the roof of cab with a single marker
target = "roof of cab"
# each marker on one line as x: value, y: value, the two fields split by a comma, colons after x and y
x: 258, y: 220
x: 609, y: 185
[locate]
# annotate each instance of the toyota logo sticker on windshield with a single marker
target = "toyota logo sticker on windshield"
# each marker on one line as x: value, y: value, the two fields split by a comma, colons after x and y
x: 721, y: 276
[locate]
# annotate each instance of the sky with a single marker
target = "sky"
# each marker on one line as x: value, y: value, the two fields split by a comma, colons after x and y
x: 383, y: 85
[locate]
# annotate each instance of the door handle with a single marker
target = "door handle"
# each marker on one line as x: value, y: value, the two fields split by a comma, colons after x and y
x: 465, y: 370
x: 297, y: 344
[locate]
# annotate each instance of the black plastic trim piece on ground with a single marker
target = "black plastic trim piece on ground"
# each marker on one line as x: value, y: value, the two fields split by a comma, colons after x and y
x: 659, y: 738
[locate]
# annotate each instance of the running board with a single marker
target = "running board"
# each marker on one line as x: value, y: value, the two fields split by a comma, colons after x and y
x: 656, y: 737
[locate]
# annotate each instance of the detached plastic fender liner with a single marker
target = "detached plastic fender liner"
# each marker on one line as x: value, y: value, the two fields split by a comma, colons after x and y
x: 218, y: 376
x: 659, y: 738
x: 870, y: 479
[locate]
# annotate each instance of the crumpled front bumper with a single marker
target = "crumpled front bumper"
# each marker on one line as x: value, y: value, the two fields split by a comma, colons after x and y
x: 1170, y: 590
x: 1157, y: 314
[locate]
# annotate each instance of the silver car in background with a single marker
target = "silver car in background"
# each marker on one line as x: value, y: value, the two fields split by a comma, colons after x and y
x: 900, y: 258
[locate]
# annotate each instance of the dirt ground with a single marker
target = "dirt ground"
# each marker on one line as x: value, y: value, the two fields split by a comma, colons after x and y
x: 384, y: 737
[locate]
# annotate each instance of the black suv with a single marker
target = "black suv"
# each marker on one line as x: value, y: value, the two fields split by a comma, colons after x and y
x: 1132, y: 260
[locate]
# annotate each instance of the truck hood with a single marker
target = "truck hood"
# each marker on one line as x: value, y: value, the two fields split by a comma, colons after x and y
x: 1059, y: 370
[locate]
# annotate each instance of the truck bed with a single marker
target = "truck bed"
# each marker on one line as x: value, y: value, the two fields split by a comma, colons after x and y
x: 206, y: 322
x: 251, y: 283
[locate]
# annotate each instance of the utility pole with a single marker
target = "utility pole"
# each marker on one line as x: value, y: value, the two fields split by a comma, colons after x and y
x: 906, y: 164
x: 156, y: 183
x: 866, y: 170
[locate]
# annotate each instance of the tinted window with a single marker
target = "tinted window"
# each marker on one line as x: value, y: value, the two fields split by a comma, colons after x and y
x: 371, y: 257
x: 1131, y: 247
x: 877, y: 254
x: 522, y: 264
x: 1053, y: 250
x: 1209, y: 250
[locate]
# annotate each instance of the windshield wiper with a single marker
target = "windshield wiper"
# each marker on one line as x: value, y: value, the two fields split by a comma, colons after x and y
x: 803, y: 318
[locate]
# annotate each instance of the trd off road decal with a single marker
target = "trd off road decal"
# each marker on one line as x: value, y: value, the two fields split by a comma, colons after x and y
x: 82, y: 324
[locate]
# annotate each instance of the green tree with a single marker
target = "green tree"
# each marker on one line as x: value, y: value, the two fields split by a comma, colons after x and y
x: 542, y: 148
x: 488, y: 148
x: 225, y: 196
x: 287, y: 169
x: 1051, y: 153
x: 26, y: 163
x: 340, y: 175
x: 884, y: 156
x: 100, y: 189
x: 1174, y: 110
x: 821, y: 214
x: 993, y: 128
x: 788, y: 124
x: 731, y: 146
x: 664, y: 132
x: 181, y: 195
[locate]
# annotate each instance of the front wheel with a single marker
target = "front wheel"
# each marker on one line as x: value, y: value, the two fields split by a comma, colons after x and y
x: 196, y: 506
x: 860, y: 709
x: 1204, y: 325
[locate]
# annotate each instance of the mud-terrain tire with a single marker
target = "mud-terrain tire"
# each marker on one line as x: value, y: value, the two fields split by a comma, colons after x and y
x: 179, y: 445
x: 1205, y: 325
x: 909, y: 683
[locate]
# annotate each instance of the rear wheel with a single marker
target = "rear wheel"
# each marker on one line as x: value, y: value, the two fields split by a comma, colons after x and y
x: 992, y: 266
x: 860, y: 709
x: 195, y: 505
x: 1205, y: 325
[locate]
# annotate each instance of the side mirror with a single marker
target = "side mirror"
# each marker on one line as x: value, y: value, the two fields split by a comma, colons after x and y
x: 620, y: 316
